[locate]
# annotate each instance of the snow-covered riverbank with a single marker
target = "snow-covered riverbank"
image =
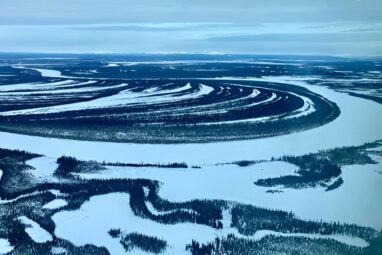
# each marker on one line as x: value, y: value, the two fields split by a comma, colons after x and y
x: 358, y: 123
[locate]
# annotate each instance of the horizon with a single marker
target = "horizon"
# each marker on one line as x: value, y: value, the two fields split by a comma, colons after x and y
x: 194, y: 53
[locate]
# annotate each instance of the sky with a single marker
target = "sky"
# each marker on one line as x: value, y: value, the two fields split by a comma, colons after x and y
x: 287, y: 27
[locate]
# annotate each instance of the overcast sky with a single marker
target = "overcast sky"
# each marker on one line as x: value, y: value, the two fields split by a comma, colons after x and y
x: 315, y: 27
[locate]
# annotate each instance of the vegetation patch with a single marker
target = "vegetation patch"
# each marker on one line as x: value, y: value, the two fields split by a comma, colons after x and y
x: 135, y: 240
x: 319, y: 169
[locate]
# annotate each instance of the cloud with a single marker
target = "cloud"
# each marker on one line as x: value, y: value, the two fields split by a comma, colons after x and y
x: 64, y: 12
x: 161, y: 27
x: 240, y: 26
x: 302, y: 37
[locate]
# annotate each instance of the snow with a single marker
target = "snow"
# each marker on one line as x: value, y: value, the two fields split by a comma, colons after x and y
x: 154, y: 211
x: 35, y: 231
x: 58, y: 250
x: 43, y: 167
x: 56, y: 192
x: 112, y: 211
x: 234, y: 183
x: 20, y: 197
x: 5, y: 246
x: 64, y: 89
x: 123, y: 98
x: 46, y: 72
x: 102, y: 213
x: 97, y: 103
x: 354, y: 202
x: 36, y: 86
x: 352, y: 241
x: 55, y: 204
x: 112, y: 65
x: 356, y: 114
x: 227, y: 218
x: 187, y: 62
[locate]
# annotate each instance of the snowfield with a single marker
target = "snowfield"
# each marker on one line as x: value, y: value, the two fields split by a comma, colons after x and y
x: 5, y: 246
x: 55, y: 204
x: 234, y: 183
x: 43, y: 168
x: 112, y: 211
x: 46, y: 72
x: 35, y: 231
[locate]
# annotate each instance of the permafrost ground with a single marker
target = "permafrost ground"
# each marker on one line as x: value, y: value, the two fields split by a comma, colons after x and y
x: 180, y: 156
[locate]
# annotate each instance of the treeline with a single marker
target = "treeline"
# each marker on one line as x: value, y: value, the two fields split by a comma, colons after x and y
x: 68, y: 165
x: 351, y: 155
x: 313, y: 170
x: 14, y: 170
x: 204, y: 212
x: 249, y: 219
x: 271, y: 244
x: 337, y: 183
x: 17, y: 154
x: 136, y: 240
x: 318, y: 169
x: 159, y: 165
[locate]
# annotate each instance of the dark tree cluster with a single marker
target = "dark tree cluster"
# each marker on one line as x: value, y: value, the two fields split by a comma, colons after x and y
x: 313, y: 171
x: 249, y: 219
x: 337, y: 183
x: 66, y: 166
x: 14, y: 170
x: 271, y: 245
x: 159, y: 165
x: 319, y: 168
x: 350, y: 155
x: 136, y: 240
x: 17, y: 154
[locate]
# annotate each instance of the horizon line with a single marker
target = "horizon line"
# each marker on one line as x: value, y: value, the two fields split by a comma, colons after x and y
x: 189, y: 53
